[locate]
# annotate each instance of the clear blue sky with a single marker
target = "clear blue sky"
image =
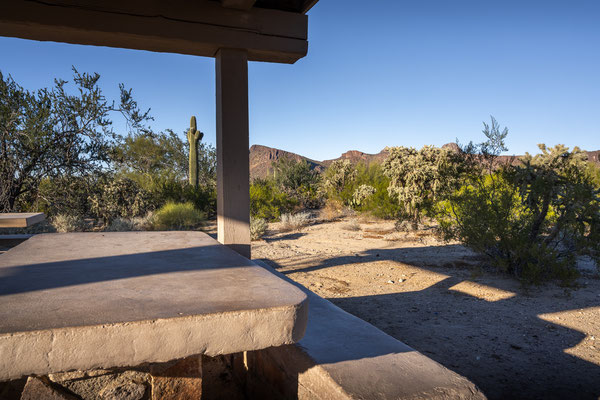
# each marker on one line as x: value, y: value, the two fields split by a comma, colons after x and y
x: 378, y: 73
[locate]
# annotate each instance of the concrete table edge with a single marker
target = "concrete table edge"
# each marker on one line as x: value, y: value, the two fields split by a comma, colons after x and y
x: 134, y: 343
x: 23, y: 220
x: 131, y: 343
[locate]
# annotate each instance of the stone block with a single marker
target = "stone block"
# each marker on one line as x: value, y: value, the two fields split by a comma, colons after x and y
x: 40, y: 388
x: 177, y: 380
x: 104, y: 384
x: 124, y: 391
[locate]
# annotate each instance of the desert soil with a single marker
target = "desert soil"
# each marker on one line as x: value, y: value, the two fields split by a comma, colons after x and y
x: 439, y: 298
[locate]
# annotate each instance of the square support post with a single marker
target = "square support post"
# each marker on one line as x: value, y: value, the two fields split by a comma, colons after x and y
x: 233, y: 170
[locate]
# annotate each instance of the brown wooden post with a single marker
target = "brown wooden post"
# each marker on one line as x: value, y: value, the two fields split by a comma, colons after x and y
x: 233, y: 171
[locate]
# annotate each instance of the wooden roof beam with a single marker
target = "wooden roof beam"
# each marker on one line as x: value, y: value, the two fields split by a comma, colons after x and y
x: 198, y: 27
x: 239, y: 4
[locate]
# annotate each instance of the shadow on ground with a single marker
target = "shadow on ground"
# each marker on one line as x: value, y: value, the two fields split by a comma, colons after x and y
x: 508, y: 347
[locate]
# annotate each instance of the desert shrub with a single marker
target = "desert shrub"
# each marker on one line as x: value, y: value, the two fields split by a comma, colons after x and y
x: 531, y: 220
x: 408, y: 225
x: 292, y: 174
x: 299, y: 181
x: 65, y: 195
x: 258, y: 228
x: 158, y: 163
x: 594, y: 172
x: 295, y: 221
x: 420, y: 178
x: 337, y: 181
x: 361, y: 195
x: 130, y: 224
x: 120, y: 197
x: 68, y: 223
x: 352, y: 225
x: 332, y: 210
x: 177, y: 216
x: 267, y: 201
x: 378, y: 204
x: 164, y: 186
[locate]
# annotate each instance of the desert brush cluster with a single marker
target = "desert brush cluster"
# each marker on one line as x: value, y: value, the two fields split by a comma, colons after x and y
x: 532, y: 217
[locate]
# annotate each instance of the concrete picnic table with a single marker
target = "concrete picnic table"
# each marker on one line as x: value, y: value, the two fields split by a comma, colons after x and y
x: 79, y: 301
x: 20, y: 220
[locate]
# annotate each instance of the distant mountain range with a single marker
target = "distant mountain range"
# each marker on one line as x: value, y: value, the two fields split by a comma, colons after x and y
x: 262, y: 158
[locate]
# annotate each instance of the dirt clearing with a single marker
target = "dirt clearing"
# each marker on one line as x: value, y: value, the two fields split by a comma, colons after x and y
x: 513, y: 342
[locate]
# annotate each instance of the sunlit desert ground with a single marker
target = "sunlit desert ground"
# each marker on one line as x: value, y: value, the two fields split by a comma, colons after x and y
x: 441, y: 299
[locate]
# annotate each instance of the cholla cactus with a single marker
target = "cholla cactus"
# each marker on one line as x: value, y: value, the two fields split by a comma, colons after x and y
x: 418, y: 178
x: 362, y: 193
x: 338, y: 175
x: 193, y: 136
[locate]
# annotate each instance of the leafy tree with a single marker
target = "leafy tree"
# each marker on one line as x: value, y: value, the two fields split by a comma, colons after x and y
x: 67, y: 195
x: 267, y: 201
x: 298, y: 180
x: 164, y: 153
x: 149, y: 152
x: 53, y: 133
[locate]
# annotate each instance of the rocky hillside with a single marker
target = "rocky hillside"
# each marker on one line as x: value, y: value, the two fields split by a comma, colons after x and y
x: 262, y: 157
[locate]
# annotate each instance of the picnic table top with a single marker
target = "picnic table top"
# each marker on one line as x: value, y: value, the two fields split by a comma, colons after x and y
x: 99, y: 300
x: 20, y: 220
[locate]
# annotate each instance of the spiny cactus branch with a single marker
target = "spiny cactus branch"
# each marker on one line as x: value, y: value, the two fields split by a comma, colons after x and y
x: 193, y: 136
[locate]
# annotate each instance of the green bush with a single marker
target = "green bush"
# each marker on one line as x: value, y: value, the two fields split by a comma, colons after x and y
x: 177, y: 216
x: 267, y: 201
x: 531, y: 220
x: 379, y: 204
x: 120, y: 197
x: 594, y: 171
x: 164, y: 186
x: 299, y: 181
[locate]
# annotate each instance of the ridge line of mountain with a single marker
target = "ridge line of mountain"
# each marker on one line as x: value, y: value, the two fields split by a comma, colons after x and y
x: 262, y: 158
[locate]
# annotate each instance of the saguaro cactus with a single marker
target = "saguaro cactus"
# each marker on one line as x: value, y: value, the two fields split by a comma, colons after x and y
x: 194, y: 135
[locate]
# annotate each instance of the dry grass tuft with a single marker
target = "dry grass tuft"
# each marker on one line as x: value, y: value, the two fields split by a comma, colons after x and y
x: 290, y: 222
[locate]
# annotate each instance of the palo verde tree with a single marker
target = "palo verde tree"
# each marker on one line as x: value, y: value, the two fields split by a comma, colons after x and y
x: 56, y: 132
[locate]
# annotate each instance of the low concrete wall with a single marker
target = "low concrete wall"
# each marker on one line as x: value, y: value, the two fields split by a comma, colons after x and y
x: 344, y: 357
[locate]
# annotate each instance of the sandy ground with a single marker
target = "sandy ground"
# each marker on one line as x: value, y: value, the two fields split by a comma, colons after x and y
x: 513, y: 342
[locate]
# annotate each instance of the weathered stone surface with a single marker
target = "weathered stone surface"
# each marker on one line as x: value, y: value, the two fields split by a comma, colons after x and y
x: 123, y: 391
x: 102, y: 300
x: 72, y: 375
x: 104, y: 384
x: 38, y: 388
x: 180, y: 380
x: 88, y: 387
